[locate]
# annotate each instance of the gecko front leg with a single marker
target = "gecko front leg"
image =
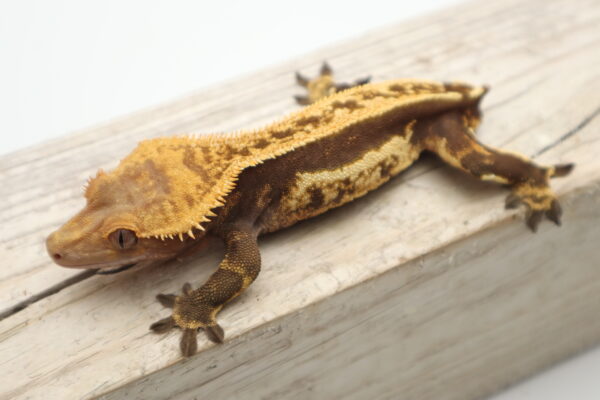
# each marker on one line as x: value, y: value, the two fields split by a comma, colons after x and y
x: 197, y: 309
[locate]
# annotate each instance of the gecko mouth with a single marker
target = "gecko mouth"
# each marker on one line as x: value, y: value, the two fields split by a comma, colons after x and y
x: 110, y: 271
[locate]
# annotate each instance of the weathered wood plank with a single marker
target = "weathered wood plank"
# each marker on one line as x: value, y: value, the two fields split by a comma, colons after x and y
x: 451, y: 281
x: 458, y: 323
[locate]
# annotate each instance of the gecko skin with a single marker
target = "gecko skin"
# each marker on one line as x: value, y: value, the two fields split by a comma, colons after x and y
x: 169, y: 193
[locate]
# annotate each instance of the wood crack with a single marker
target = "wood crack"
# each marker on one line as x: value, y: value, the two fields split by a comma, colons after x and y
x: 584, y: 122
x: 48, y: 292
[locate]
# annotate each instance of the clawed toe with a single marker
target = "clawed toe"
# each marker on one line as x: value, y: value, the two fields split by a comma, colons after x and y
x: 326, y: 69
x: 362, y: 81
x: 512, y: 201
x: 533, y: 219
x: 537, y: 205
x: 302, y: 100
x: 167, y: 300
x: 189, y: 339
x: 186, y: 288
x: 215, y: 333
x: 555, y: 212
x: 302, y: 80
x: 560, y: 170
x: 189, y: 342
x: 163, y: 326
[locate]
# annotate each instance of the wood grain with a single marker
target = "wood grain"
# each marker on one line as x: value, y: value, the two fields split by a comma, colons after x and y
x: 415, y: 289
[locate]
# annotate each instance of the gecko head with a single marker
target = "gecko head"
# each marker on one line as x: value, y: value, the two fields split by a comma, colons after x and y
x: 109, y: 243
x: 107, y: 234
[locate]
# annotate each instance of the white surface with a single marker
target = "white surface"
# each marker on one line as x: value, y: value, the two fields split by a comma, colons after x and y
x: 69, y: 64
x: 574, y: 379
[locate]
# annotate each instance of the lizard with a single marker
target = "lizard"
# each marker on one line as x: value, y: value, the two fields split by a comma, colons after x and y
x: 170, y: 192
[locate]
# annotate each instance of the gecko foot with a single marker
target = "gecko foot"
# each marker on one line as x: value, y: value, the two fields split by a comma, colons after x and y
x: 323, y: 85
x: 191, y: 315
x: 539, y: 201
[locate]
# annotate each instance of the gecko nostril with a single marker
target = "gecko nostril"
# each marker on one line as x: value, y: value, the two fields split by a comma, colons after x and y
x: 56, y: 256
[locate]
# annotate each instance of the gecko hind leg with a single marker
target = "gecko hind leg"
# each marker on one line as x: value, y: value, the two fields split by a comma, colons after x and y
x: 323, y: 85
x: 450, y: 136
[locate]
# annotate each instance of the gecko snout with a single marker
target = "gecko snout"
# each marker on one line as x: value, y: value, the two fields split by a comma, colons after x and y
x: 56, y: 250
x: 53, y: 248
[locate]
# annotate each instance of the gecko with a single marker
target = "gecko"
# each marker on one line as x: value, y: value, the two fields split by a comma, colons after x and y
x: 171, y: 192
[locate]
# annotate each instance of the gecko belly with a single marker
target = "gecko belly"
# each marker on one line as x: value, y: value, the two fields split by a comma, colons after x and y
x: 314, y: 192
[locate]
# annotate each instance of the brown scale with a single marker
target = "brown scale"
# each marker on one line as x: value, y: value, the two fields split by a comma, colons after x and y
x: 350, y: 139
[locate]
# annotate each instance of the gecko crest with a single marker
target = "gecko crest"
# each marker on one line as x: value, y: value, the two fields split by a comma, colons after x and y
x: 173, y: 185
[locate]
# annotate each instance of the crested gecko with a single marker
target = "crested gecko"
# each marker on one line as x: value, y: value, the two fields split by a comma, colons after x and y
x: 170, y: 192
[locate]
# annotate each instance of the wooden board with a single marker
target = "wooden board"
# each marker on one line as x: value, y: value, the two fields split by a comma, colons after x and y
x: 413, y: 289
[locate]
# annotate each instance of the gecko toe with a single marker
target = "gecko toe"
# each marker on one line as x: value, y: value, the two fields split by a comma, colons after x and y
x: 301, y: 80
x: 162, y: 326
x: 187, y: 288
x: 533, y: 220
x: 215, y: 333
x: 362, y: 81
x: 302, y: 100
x: 167, y: 300
x: 343, y: 86
x: 512, y: 201
x: 189, y: 342
x: 563, y: 169
x: 326, y: 69
x: 555, y: 212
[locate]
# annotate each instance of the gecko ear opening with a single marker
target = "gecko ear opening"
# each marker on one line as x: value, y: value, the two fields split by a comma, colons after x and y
x: 123, y: 239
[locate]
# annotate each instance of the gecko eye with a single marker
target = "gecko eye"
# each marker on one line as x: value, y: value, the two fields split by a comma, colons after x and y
x: 123, y: 239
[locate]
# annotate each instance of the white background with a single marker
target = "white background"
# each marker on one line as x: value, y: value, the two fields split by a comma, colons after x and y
x: 65, y: 65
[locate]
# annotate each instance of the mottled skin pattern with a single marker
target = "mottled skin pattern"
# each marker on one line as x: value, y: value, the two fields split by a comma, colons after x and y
x: 168, y: 193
